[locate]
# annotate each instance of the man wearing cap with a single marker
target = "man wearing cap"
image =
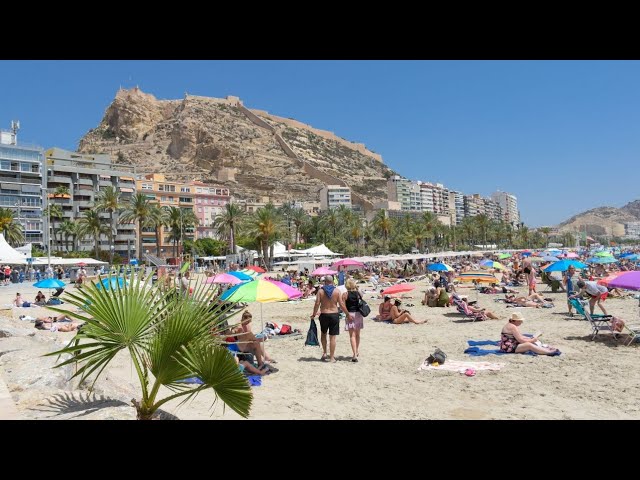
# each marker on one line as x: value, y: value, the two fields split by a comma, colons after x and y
x: 327, y: 300
x: 512, y: 341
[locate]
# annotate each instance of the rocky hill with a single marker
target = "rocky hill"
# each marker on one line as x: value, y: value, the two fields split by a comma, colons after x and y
x: 603, y: 220
x: 254, y: 153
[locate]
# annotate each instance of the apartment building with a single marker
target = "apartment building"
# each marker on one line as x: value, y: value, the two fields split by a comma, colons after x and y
x: 509, y: 204
x: 332, y: 196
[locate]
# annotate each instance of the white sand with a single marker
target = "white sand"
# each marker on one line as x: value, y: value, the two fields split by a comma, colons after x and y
x: 590, y: 380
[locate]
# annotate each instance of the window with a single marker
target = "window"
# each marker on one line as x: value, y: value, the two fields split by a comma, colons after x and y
x: 185, y: 189
x: 186, y: 199
x: 199, y: 209
x: 171, y: 199
x: 5, y: 165
x: 147, y: 186
x: 163, y: 199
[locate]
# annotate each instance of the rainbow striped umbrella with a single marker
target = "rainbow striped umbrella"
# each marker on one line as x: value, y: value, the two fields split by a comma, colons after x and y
x: 262, y: 291
x: 477, y: 276
x: 492, y: 264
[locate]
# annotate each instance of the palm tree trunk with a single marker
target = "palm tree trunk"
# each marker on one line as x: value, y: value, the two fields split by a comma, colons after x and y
x: 232, y: 240
x: 140, y: 238
x: 158, y: 241
x: 111, y: 236
x: 96, y: 239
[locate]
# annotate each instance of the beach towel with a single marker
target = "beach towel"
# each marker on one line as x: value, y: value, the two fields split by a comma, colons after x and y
x: 462, y: 366
x: 475, y: 351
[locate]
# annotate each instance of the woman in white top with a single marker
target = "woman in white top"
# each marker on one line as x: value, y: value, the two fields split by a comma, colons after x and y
x: 596, y: 294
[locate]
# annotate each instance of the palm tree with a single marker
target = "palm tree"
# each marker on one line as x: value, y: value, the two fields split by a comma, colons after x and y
x: 382, y: 224
x: 11, y: 229
x: 108, y: 200
x: 169, y: 338
x: 179, y: 220
x: 227, y: 223
x: 264, y: 225
x: 332, y: 220
x: 54, y: 211
x: 418, y: 233
x: 137, y: 210
x: 483, y: 223
x: 546, y: 231
x: 61, y: 191
x: 523, y: 233
x: 91, y: 225
x: 68, y: 229
x: 430, y: 222
x: 158, y: 218
x: 299, y: 218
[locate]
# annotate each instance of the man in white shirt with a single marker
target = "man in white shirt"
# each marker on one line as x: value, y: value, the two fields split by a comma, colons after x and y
x: 596, y: 294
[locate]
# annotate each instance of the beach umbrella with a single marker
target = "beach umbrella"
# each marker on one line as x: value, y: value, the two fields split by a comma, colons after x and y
x: 570, y: 255
x: 262, y: 291
x: 626, y: 254
x: 550, y: 259
x: 563, y: 266
x: 526, y: 254
x: 605, y: 281
x: 492, y: 264
x: 477, y: 276
x: 49, y: 283
x: 626, y: 280
x: 251, y: 273
x: 632, y: 258
x: 133, y: 261
x: 224, y: 278
x: 81, y: 264
x: 323, y: 271
x: 602, y: 254
x: 502, y: 256
x: 602, y: 260
x: 111, y: 282
x: 403, y: 287
x: 347, y: 262
x: 242, y: 276
x: 440, y: 267
x: 256, y: 269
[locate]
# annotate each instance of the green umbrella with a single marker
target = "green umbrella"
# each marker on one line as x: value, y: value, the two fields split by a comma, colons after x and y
x: 502, y: 256
x: 603, y: 254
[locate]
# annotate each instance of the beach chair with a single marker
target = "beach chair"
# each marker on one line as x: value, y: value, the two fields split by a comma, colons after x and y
x: 598, y: 322
x: 463, y: 308
x: 633, y: 331
x: 552, y: 284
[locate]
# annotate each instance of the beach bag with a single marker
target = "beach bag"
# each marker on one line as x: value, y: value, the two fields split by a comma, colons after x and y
x: 617, y: 324
x: 438, y: 356
x: 312, y: 335
x: 26, y: 304
x: 54, y: 301
x: 364, y: 307
x: 285, y: 329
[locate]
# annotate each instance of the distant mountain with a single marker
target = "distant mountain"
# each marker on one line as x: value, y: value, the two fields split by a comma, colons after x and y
x: 603, y: 220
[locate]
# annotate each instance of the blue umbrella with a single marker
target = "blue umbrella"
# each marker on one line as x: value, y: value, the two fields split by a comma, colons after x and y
x: 602, y: 260
x: 632, y: 258
x: 241, y: 276
x: 526, y: 254
x: 49, y: 283
x: 563, y: 266
x: 112, y: 282
x: 550, y: 259
x: 439, y: 267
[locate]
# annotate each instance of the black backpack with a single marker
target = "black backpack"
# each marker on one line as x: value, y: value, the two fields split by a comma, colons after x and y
x: 437, y: 356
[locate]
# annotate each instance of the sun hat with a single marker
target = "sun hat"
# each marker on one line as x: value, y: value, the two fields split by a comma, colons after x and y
x: 516, y: 316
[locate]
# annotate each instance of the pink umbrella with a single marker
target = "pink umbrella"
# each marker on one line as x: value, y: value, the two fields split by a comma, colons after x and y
x: 224, y: 278
x: 403, y: 287
x: 605, y: 281
x: 347, y: 262
x: 290, y: 291
x: 323, y: 271
x: 569, y: 255
x: 626, y: 280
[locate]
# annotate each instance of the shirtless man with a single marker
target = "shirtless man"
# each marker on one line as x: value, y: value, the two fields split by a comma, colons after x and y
x: 327, y: 299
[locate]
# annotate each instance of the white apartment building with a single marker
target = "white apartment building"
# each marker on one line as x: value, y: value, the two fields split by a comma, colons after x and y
x: 399, y: 190
x: 632, y: 229
x: 332, y: 196
x: 509, y: 204
x: 456, y: 207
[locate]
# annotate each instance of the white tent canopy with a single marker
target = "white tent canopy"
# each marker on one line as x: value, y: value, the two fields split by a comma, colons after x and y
x: 318, y: 250
x: 66, y: 261
x: 8, y: 254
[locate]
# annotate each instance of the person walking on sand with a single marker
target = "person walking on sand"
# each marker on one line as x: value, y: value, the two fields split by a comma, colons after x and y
x: 354, y: 321
x: 327, y: 300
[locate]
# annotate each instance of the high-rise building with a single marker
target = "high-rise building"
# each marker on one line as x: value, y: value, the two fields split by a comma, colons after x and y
x: 473, y: 205
x: 21, y: 183
x: 332, y: 196
x: 509, y: 204
x: 435, y: 198
x: 73, y: 183
x: 492, y: 209
x: 399, y: 190
x: 456, y: 207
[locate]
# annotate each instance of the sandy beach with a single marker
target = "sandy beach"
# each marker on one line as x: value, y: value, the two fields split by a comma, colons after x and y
x: 590, y: 380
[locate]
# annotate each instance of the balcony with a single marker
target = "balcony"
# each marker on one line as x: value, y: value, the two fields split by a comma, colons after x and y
x: 124, y: 238
x: 59, y: 179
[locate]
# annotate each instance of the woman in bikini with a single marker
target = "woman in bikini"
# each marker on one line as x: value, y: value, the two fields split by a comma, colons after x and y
x: 402, y: 316
x: 512, y: 341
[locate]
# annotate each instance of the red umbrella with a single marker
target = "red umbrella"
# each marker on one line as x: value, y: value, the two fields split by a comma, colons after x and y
x: 256, y: 269
x: 82, y: 264
x: 403, y: 287
x: 605, y: 281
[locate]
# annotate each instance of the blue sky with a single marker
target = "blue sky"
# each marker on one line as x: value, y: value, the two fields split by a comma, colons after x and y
x: 561, y: 135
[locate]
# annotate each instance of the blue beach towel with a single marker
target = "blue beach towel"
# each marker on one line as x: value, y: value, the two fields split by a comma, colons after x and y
x: 475, y: 351
x: 255, y: 380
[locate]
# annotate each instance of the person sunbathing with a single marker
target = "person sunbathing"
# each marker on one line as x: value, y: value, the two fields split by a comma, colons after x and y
x: 512, y: 341
x: 18, y: 301
x: 484, y: 311
x: 44, y: 325
x: 402, y: 316
x: 523, y: 301
x: 248, y: 342
x: 384, y: 310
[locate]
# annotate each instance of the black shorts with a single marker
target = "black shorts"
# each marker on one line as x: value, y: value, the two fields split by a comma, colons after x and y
x: 331, y: 322
x: 527, y: 270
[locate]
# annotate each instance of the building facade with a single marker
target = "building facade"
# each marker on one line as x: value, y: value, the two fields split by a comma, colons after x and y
x: 509, y: 204
x: 456, y: 207
x: 332, y: 196
x: 209, y: 202
x: 632, y: 229
x: 83, y: 176
x: 473, y: 205
x: 21, y: 184
x: 399, y: 190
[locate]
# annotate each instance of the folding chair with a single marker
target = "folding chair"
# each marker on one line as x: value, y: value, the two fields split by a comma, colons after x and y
x: 463, y: 308
x: 598, y: 322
